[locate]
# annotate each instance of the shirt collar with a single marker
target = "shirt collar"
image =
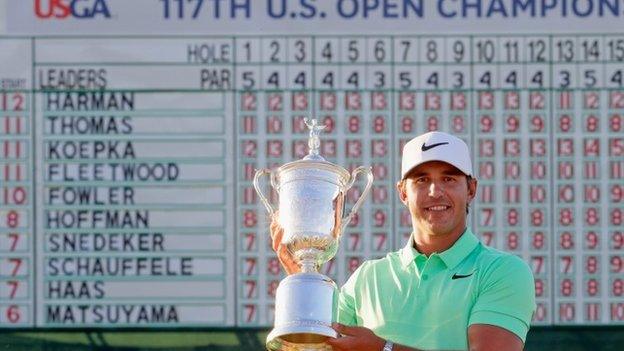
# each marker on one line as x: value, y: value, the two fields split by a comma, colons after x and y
x: 451, y: 257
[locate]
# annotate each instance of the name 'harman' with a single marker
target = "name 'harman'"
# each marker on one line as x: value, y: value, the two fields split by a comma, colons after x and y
x: 89, y: 101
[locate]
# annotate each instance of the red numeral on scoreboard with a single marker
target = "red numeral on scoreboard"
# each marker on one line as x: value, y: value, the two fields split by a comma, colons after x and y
x: 539, y: 288
x: 250, y: 266
x: 591, y: 265
x: 379, y: 124
x: 16, y: 102
x: 353, y: 264
x: 273, y: 266
x: 537, y: 263
x: 486, y: 124
x: 538, y: 240
x: 617, y: 287
x: 13, y: 285
x: 591, y: 216
x: 14, y: 195
x: 566, y: 217
x: 354, y: 241
x: 380, y: 240
x: 512, y: 124
x: 17, y: 263
x: 537, y: 217
x: 593, y: 287
x: 617, y: 240
x: 537, y: 124
x: 566, y: 241
x: 512, y: 241
x: 565, y: 123
x: 458, y: 124
x: 616, y: 217
x: 615, y: 123
x: 250, y: 218
x: 591, y: 123
x: 407, y: 124
x: 12, y: 219
x: 541, y: 312
x: 617, y: 264
x: 250, y: 313
x: 617, y: 312
x: 13, y: 314
x: 566, y: 312
x: 566, y: 264
x: 488, y: 238
x: 591, y: 240
x: 513, y: 217
x: 379, y: 218
x: 567, y: 287
x: 14, y: 238
x: 251, y: 289
x: 272, y: 288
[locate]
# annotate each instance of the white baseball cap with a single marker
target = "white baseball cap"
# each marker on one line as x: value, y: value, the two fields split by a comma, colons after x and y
x: 436, y: 146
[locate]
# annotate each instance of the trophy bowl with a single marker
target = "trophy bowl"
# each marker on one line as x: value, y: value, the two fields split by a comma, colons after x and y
x: 311, y: 207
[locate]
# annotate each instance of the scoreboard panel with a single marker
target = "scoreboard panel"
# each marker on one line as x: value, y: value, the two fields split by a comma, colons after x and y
x: 126, y: 195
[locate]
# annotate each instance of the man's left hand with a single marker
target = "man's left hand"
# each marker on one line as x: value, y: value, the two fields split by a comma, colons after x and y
x: 355, y: 339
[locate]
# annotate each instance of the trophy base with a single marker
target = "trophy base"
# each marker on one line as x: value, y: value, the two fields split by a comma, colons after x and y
x: 296, y: 341
x: 305, y: 308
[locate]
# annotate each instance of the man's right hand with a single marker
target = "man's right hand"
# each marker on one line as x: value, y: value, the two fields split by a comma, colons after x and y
x: 283, y: 255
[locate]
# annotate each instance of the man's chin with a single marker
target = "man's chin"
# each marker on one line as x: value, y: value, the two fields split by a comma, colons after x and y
x: 438, y: 229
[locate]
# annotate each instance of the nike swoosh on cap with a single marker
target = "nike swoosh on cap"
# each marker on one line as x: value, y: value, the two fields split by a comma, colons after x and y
x: 427, y: 147
x: 459, y: 276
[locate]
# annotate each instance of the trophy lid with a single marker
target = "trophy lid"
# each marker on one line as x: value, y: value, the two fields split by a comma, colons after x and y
x: 313, y: 160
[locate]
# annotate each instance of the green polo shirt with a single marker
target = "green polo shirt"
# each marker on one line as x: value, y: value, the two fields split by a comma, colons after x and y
x: 429, y: 302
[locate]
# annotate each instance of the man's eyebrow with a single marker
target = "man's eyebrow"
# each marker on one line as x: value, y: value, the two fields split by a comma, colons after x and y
x: 416, y: 174
x: 453, y: 171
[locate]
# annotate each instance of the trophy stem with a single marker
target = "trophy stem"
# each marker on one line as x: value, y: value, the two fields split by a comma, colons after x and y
x: 308, y: 266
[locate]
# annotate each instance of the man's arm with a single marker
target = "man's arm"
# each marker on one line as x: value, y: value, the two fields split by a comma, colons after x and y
x: 484, y: 337
x: 481, y: 337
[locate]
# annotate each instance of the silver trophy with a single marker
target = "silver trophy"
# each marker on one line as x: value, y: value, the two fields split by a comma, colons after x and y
x: 311, y: 204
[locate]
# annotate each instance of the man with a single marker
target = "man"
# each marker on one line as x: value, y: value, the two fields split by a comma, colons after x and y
x: 444, y: 290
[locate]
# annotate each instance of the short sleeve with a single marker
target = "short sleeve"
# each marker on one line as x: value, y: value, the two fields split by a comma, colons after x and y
x: 506, y: 297
x: 346, y: 300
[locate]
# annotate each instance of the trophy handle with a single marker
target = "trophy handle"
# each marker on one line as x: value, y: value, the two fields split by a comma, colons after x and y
x: 256, y: 183
x: 358, y: 203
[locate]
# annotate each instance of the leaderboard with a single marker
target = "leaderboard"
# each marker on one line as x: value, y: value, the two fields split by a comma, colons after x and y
x: 127, y: 165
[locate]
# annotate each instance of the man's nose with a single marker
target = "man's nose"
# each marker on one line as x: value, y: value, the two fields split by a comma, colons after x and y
x: 435, y: 189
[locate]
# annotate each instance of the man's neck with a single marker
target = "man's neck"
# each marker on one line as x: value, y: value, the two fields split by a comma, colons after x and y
x: 428, y: 244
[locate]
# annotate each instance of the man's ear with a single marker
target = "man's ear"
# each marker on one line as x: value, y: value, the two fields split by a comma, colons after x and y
x: 400, y: 185
x: 472, y: 189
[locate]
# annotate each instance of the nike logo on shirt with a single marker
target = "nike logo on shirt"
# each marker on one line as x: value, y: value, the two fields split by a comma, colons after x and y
x: 459, y: 276
x: 427, y: 147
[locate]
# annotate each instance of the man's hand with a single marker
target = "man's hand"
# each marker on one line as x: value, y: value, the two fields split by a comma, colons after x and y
x: 355, y: 339
x: 285, y: 258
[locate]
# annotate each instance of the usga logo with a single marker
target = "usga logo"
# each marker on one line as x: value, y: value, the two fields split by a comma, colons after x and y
x: 61, y: 9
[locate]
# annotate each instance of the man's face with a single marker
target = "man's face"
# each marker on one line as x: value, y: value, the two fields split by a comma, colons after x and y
x: 437, y: 195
